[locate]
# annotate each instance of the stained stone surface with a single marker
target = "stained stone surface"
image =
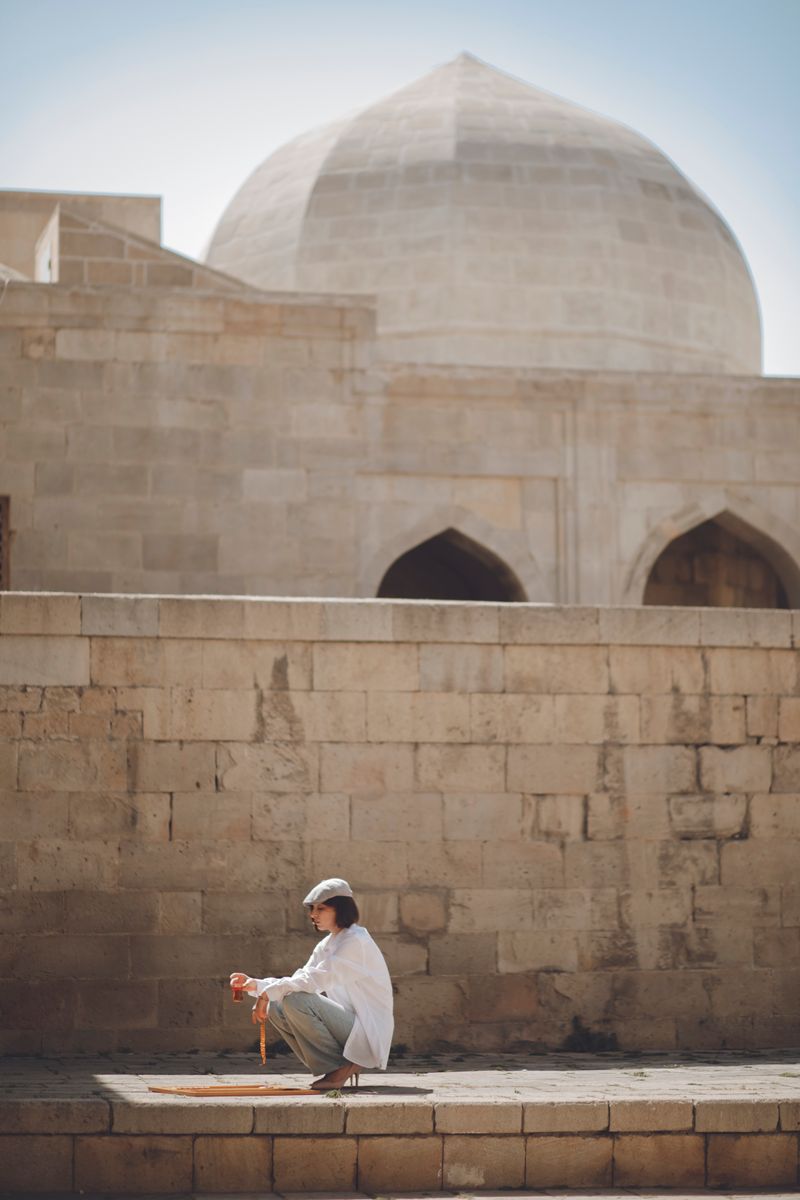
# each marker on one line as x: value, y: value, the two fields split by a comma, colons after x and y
x: 566, y: 828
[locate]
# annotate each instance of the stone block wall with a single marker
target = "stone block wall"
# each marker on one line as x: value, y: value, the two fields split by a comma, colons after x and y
x: 556, y: 820
x: 166, y: 439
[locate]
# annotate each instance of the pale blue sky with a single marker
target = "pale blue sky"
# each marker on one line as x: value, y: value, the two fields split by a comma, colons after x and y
x: 183, y: 98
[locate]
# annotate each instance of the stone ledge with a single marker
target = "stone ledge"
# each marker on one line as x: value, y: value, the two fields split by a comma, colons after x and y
x: 142, y: 1113
x: 168, y: 1115
x: 272, y: 1116
x: 790, y: 1115
x: 466, y: 1116
x: 553, y: 1116
x: 169, y: 1164
x: 649, y: 1116
x: 736, y: 1116
x: 454, y: 1123
x: 37, y: 1115
x: 378, y: 1117
x: 353, y: 620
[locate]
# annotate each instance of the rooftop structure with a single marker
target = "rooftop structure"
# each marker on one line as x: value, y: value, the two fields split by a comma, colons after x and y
x: 498, y: 224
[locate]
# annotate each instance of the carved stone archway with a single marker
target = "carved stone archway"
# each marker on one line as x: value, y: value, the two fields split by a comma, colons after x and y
x: 510, y: 547
x: 451, y: 566
x: 780, y: 547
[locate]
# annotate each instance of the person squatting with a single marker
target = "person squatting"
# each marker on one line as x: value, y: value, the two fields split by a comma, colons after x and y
x: 336, y: 1012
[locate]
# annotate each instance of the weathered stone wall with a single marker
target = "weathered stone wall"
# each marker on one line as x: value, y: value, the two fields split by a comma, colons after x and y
x: 170, y: 439
x: 165, y: 439
x: 548, y: 814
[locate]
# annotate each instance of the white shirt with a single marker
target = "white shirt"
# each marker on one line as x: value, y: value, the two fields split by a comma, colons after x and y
x: 350, y: 969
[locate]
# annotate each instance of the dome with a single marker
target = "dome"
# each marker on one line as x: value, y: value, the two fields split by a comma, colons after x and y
x: 498, y: 224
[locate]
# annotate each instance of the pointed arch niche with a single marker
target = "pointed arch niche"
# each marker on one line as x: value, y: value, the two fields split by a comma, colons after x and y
x: 450, y: 566
x: 723, y: 562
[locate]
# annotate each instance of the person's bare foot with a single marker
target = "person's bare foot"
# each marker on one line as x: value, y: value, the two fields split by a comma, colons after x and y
x: 338, y: 1078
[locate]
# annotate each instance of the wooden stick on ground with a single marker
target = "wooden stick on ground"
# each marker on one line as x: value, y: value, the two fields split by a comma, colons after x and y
x: 236, y: 1090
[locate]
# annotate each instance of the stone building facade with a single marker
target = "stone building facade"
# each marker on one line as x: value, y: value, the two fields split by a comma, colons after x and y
x: 186, y: 441
x: 472, y: 345
x: 555, y: 376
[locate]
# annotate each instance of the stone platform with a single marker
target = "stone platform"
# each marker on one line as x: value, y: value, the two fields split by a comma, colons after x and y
x: 457, y: 1124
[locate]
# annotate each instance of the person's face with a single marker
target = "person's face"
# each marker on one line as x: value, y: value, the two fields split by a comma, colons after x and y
x: 323, y: 917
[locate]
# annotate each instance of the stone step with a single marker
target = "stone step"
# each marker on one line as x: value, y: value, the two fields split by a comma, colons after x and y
x: 85, y: 1127
x: 494, y: 1194
x: 374, y: 1143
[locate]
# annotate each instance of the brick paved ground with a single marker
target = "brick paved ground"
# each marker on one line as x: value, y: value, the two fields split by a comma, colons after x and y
x: 757, y: 1075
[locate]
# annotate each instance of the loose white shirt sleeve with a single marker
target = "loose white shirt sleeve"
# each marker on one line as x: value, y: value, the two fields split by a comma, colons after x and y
x: 350, y: 969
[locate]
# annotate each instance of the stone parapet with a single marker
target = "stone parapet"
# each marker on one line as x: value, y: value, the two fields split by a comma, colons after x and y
x: 303, y: 619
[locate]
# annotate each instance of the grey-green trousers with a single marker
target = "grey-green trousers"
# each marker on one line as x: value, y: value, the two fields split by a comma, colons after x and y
x: 315, y: 1027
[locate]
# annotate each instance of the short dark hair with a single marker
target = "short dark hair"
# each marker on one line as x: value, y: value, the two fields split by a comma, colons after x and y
x: 345, y: 908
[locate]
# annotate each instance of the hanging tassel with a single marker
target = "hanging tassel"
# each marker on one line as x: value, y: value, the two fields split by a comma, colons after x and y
x: 238, y: 995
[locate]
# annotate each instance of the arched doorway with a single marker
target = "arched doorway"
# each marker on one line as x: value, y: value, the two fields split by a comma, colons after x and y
x: 714, y: 565
x: 450, y: 566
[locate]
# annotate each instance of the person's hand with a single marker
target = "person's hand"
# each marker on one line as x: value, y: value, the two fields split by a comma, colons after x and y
x: 240, y: 980
x: 260, y: 1010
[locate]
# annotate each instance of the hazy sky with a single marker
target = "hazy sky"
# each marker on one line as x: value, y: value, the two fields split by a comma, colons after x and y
x: 183, y: 98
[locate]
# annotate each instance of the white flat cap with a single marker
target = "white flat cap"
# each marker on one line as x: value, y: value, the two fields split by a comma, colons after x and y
x: 328, y: 888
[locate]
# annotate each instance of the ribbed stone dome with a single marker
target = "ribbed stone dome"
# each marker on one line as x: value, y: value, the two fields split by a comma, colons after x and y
x: 500, y: 225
